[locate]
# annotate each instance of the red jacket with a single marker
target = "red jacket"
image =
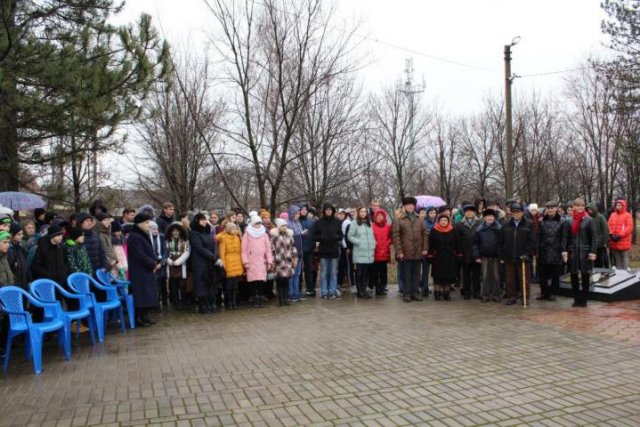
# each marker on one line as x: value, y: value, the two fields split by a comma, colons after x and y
x: 382, y: 234
x: 621, y: 224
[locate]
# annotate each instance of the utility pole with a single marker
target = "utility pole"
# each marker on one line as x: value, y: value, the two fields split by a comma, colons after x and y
x: 410, y: 89
x: 508, y: 81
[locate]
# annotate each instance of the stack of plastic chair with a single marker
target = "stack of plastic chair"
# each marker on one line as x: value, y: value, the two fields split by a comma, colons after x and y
x: 45, y: 290
x: 82, y: 283
x: 20, y: 322
x: 122, y: 286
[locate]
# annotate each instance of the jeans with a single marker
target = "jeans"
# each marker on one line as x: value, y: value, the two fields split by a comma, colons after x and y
x: 411, y: 276
x: 328, y: 276
x: 294, y: 283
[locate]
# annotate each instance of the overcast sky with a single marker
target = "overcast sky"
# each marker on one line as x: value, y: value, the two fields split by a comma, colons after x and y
x: 555, y: 35
x: 439, y: 35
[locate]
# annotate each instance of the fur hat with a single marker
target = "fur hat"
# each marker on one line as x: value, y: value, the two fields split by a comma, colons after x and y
x: 534, y: 207
x: 280, y: 222
x: 489, y: 212
x: 141, y: 217
x: 409, y: 201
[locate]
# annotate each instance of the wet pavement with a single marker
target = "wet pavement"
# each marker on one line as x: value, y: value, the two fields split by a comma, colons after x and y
x: 379, y: 362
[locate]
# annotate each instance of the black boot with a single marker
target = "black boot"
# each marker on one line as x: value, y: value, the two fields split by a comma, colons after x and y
x: 212, y: 307
x: 227, y: 299
x: 446, y: 296
x: 203, y: 307
x: 286, y: 295
x: 437, y: 295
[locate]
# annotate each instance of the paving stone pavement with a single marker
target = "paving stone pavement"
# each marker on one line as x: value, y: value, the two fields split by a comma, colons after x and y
x: 379, y: 362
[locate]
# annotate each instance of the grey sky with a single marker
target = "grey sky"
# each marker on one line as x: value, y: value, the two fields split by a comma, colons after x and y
x: 555, y: 35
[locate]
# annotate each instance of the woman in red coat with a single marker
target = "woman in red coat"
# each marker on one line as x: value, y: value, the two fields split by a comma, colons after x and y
x: 620, y: 230
x: 382, y: 254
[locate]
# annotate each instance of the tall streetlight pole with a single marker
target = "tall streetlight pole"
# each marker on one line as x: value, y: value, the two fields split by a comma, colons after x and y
x: 508, y: 80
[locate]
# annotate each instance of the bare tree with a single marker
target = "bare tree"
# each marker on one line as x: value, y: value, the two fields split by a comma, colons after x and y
x: 279, y: 53
x: 175, y: 139
x: 399, y: 126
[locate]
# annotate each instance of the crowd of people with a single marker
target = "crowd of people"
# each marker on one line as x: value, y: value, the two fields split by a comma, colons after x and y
x: 205, y: 262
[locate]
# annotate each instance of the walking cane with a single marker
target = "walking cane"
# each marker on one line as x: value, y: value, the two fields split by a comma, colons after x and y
x: 524, y: 283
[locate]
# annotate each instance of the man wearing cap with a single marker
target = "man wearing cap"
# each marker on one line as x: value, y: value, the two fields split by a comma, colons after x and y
x: 5, y: 222
x: 485, y: 252
x: 6, y: 275
x: 49, y: 261
x: 17, y: 259
x: 92, y: 243
x: 466, y: 229
x: 515, y: 247
x: 552, y: 240
x: 103, y: 229
x: 410, y: 240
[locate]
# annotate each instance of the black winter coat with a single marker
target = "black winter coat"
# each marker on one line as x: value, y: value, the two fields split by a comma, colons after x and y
x: 516, y: 242
x: 444, y: 249
x: 95, y: 250
x: 204, y: 254
x: 163, y: 222
x: 466, y: 235
x: 486, y: 239
x: 328, y: 232
x: 19, y: 265
x: 142, y: 262
x: 49, y: 262
x: 585, y: 243
x: 553, y: 236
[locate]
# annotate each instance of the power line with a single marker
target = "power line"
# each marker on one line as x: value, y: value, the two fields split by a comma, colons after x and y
x: 384, y: 43
x: 549, y: 73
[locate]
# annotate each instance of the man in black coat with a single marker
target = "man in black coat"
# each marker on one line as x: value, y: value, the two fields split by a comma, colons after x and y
x: 470, y: 268
x: 49, y: 262
x: 327, y: 232
x: 552, y: 239
x: 143, y: 265
x: 92, y: 243
x: 515, y: 247
x: 204, y: 255
x: 166, y: 217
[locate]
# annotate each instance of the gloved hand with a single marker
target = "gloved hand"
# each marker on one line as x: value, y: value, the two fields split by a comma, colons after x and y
x: 615, y: 237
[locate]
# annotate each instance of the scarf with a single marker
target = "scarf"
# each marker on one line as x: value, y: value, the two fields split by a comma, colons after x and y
x: 577, y: 219
x: 256, y: 233
x: 442, y: 229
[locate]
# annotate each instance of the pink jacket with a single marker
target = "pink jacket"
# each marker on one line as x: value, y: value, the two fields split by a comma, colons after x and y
x: 256, y: 254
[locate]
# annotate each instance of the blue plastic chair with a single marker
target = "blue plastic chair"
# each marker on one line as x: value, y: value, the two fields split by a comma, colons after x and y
x: 82, y: 283
x: 45, y: 290
x: 126, y: 299
x: 20, y: 322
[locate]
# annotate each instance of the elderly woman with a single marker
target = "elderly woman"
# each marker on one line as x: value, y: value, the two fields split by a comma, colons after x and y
x: 143, y: 264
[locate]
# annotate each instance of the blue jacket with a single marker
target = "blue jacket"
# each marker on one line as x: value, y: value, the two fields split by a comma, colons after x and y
x: 96, y: 252
x: 307, y: 239
x: 486, y: 239
x: 296, y: 226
